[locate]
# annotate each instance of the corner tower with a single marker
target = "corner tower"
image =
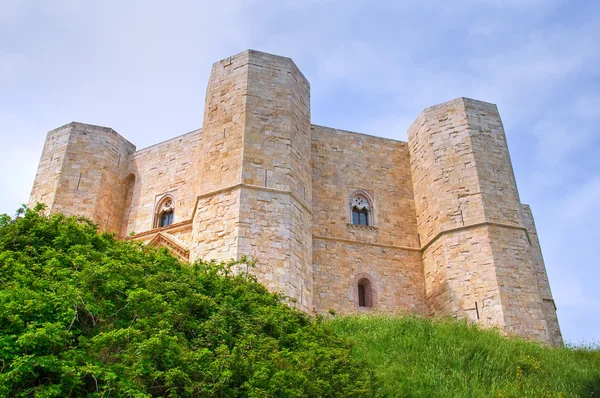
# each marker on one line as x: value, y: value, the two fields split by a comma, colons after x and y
x: 255, y: 187
x: 82, y: 172
x: 478, y: 257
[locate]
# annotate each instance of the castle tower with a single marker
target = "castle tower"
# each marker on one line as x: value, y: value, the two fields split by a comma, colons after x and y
x: 478, y: 257
x: 82, y: 172
x: 255, y: 187
x: 445, y: 232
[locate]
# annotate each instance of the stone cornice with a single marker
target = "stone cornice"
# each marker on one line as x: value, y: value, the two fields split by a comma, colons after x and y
x: 180, y: 226
x: 476, y: 225
x: 429, y: 243
x: 356, y: 242
x: 249, y: 186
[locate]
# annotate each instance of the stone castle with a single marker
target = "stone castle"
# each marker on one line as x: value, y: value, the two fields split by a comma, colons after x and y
x: 335, y: 219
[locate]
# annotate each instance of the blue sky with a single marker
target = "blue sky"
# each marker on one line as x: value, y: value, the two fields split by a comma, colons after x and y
x: 141, y: 67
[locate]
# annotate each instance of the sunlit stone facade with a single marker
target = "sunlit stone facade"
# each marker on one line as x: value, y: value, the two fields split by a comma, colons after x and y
x: 336, y: 220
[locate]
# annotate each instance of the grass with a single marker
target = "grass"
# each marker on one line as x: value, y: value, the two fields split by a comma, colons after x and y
x: 416, y: 357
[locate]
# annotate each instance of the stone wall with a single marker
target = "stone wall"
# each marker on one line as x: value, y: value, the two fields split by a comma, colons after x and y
x: 170, y: 167
x: 477, y: 258
x: 460, y: 279
x: 215, y: 231
x: 256, y: 146
x: 386, y: 252
x: 49, y: 170
x: 448, y: 234
x: 91, y: 176
x: 519, y: 290
x: 549, y: 307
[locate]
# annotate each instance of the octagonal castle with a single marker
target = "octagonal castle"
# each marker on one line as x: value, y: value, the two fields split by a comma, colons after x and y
x: 336, y: 219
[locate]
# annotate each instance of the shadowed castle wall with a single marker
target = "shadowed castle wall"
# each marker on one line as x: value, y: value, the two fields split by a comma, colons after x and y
x: 548, y: 305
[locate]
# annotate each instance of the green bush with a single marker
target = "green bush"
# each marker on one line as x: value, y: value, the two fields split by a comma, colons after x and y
x: 416, y: 357
x: 84, y: 314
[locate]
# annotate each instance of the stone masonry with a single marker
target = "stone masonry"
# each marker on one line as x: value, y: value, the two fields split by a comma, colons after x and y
x: 446, y: 235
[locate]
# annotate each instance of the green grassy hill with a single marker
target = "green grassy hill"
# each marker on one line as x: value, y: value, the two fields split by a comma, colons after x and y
x: 83, y: 314
x: 416, y: 357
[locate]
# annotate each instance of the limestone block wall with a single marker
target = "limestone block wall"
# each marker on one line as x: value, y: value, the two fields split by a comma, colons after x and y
x: 221, y: 147
x: 449, y: 235
x: 343, y: 162
x: 277, y: 139
x: 460, y: 280
x: 274, y: 230
x: 476, y: 255
x: 276, y: 218
x: 170, y: 167
x: 255, y: 147
x: 548, y: 305
x: 519, y: 289
x: 90, y: 182
x: 395, y: 273
x: 219, y: 162
x: 50, y: 166
x: 499, y: 194
x: 215, y: 230
x: 445, y: 180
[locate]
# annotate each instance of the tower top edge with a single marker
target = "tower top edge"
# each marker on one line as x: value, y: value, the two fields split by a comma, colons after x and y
x: 462, y: 102
x: 92, y: 128
x: 251, y: 54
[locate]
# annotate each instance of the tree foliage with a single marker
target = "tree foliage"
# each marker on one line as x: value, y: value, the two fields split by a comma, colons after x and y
x: 84, y: 314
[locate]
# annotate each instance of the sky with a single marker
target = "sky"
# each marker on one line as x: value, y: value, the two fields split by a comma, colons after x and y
x: 141, y: 67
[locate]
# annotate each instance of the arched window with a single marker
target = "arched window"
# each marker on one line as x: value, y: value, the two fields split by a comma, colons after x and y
x: 361, y: 208
x: 364, y: 290
x: 165, y: 212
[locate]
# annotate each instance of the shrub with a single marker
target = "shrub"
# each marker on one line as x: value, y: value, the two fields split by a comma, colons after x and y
x: 84, y: 314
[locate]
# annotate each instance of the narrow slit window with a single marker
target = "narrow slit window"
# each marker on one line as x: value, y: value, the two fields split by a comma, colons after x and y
x: 361, y: 296
x: 365, y: 293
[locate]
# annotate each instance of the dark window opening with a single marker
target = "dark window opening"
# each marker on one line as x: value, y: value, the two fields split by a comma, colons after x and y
x: 360, y: 216
x: 361, y: 296
x: 365, y: 293
x: 166, y: 219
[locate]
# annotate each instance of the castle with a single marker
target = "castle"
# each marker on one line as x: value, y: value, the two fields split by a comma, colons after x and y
x: 335, y: 219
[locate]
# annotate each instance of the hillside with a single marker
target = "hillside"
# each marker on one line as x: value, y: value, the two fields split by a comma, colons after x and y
x: 416, y: 357
x: 83, y: 314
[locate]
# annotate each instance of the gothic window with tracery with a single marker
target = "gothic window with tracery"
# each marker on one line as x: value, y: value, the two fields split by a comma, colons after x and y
x: 165, y: 212
x: 361, y: 209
